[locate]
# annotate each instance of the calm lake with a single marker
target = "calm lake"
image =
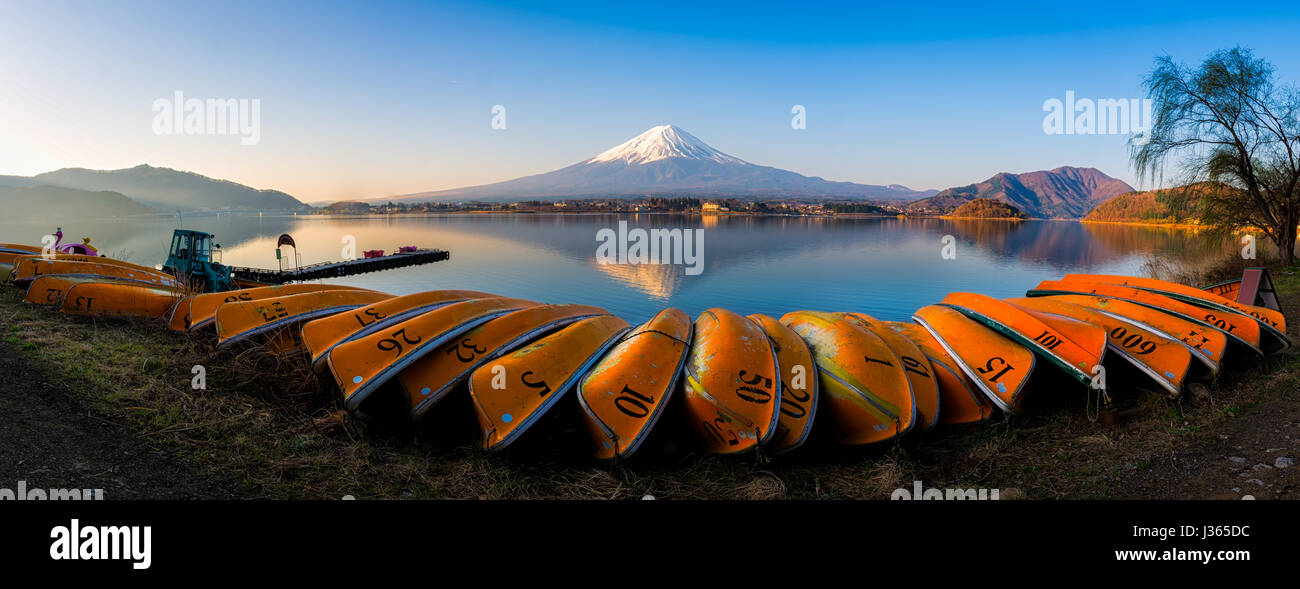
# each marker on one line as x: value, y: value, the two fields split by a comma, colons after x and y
x: 773, y: 265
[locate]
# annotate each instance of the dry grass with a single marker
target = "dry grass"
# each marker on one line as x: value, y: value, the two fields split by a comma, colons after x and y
x: 269, y: 427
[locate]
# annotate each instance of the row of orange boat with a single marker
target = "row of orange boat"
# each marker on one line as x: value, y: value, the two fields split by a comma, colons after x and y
x: 744, y: 382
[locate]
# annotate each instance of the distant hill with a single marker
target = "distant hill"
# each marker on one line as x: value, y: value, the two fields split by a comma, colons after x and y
x: 987, y: 208
x: 1151, y: 206
x: 169, y: 190
x: 17, y: 181
x: 56, y: 203
x: 667, y: 161
x: 1064, y: 192
x: 349, y: 206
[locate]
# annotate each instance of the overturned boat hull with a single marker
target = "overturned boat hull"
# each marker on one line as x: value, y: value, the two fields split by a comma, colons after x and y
x: 362, y: 365
x: 513, y: 392
x: 429, y: 379
x: 733, y: 383
x: 997, y: 364
x: 624, y: 395
x: 864, y: 387
x: 799, y: 391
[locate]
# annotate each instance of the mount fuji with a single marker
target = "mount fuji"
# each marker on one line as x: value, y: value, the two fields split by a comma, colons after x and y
x: 667, y: 161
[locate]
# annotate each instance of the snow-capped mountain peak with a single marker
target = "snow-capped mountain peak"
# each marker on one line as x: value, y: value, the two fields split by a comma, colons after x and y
x: 663, y: 142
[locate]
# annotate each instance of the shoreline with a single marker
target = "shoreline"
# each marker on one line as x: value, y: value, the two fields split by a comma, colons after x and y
x: 266, y: 429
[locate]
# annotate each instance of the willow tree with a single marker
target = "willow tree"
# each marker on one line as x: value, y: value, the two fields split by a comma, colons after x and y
x: 1229, y: 124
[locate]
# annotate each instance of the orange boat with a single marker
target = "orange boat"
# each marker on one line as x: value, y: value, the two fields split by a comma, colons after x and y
x: 29, y: 268
x: 362, y: 365
x: 998, y: 365
x: 1272, y: 322
x: 1073, y: 346
x: 733, y: 384
x: 180, y: 313
x: 203, y: 308
x: 625, y: 393
x: 117, y: 299
x: 429, y: 379
x: 62, y: 257
x: 19, y: 248
x: 1242, y: 330
x: 1166, y: 361
x: 1227, y: 289
x: 960, y: 400
x: 12, y: 257
x: 48, y: 290
x: 512, y: 392
x: 1206, y: 344
x: 916, y: 366
x: 241, y: 320
x: 798, y: 385
x: 320, y: 336
x: 863, y: 384
x: 36, y: 254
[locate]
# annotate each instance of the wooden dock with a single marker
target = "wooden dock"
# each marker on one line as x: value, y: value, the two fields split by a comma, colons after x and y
x: 338, y: 269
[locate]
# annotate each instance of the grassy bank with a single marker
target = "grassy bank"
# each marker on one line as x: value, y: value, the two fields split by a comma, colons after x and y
x: 270, y: 429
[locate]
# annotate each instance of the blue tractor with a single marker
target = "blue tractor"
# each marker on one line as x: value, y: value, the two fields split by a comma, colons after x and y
x: 190, y: 259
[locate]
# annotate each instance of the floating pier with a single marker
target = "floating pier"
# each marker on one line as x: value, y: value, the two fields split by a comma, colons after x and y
x: 337, y: 269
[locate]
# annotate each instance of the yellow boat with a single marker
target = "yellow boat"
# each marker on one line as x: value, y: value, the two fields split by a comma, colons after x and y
x: 320, y: 336
x: 863, y: 384
x: 798, y: 385
x: 92, y: 260
x: 1228, y: 289
x: 623, y: 396
x: 427, y: 380
x: 1206, y: 344
x: 29, y: 268
x: 1073, y: 346
x: 203, y: 307
x: 1242, y: 330
x: 733, y: 385
x: 19, y: 248
x: 362, y: 365
x: 48, y: 290
x: 180, y: 314
x: 998, y: 365
x: 1272, y: 322
x: 241, y: 320
x: 12, y: 257
x: 512, y: 392
x: 1166, y: 361
x: 117, y: 299
x: 960, y: 400
x: 916, y: 366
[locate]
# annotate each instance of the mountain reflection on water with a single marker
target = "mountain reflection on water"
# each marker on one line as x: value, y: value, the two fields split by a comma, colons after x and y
x: 887, y: 267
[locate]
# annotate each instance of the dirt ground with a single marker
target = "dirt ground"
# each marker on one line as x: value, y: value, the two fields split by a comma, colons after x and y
x: 51, y: 441
x: 1254, y: 453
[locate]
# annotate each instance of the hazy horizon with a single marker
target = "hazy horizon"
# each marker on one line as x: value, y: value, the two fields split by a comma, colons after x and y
x: 381, y: 100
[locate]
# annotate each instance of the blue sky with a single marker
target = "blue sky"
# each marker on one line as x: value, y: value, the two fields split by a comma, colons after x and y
x: 372, y: 99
